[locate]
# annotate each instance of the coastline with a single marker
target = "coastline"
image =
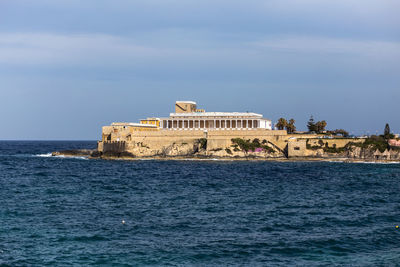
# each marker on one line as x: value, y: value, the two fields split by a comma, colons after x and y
x: 93, y: 154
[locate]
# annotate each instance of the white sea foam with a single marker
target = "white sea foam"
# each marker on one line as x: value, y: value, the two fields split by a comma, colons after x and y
x: 48, y: 155
x: 44, y: 155
x: 377, y: 162
x: 208, y: 159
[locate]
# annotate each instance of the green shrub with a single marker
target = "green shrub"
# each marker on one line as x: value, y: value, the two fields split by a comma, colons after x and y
x: 203, y: 143
x: 228, y: 151
x: 240, y: 144
x: 374, y: 142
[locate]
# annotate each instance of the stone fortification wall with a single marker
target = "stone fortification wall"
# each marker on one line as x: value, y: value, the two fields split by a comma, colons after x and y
x: 180, y: 142
x: 222, y: 139
x: 314, y: 147
x: 114, y: 146
x: 188, y: 142
x: 338, y: 142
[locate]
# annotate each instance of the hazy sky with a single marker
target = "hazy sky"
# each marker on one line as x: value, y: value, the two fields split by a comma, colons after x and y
x: 68, y: 67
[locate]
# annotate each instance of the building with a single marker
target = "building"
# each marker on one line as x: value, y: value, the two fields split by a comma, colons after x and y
x: 188, y: 117
x: 188, y: 123
x: 394, y: 143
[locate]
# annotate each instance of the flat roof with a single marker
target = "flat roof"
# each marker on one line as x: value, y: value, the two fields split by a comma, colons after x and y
x: 189, y: 102
x: 216, y: 114
x: 133, y: 124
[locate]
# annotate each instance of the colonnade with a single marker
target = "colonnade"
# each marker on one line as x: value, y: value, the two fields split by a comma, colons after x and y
x: 177, y: 124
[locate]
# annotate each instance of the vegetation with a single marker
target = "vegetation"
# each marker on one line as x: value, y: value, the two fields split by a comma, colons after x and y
x: 334, y: 149
x: 374, y: 142
x: 317, y: 127
x: 240, y: 144
x: 311, y: 125
x: 203, y: 143
x: 288, y: 125
x: 325, y: 147
x: 339, y: 132
x: 281, y: 124
x: 228, y: 151
x: 308, y: 146
x: 386, y: 133
x: 320, y: 125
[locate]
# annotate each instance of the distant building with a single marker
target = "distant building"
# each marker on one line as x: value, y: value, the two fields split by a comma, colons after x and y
x: 188, y: 117
x: 394, y: 142
x: 188, y: 120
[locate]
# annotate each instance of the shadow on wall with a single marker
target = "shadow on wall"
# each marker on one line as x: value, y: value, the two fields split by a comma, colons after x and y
x: 114, y: 146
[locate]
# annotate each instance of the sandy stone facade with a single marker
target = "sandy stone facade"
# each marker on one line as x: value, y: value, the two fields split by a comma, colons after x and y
x: 185, y: 130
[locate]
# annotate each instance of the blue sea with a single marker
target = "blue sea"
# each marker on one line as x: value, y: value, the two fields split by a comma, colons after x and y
x: 58, y: 211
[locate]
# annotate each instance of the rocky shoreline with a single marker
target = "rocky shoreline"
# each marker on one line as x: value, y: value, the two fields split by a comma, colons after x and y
x: 361, y: 157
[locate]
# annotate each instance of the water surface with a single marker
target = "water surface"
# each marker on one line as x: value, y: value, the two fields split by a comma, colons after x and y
x: 69, y: 211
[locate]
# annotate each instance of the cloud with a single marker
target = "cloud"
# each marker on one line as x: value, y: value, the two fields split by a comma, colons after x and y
x: 334, y: 46
x: 91, y: 50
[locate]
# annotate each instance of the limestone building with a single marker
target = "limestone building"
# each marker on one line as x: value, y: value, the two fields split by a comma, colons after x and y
x: 187, y: 117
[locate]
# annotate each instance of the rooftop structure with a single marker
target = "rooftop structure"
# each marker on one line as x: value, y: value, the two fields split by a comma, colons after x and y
x: 188, y: 117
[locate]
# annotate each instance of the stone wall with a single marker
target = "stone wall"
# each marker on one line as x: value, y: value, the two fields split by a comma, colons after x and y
x: 297, y: 148
x: 181, y: 141
x: 186, y: 142
x: 338, y: 142
x: 114, y: 146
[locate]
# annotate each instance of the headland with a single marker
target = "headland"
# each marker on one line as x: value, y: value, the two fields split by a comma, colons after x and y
x: 192, y: 133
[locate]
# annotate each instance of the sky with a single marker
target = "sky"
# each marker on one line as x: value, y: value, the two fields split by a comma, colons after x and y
x: 69, y: 67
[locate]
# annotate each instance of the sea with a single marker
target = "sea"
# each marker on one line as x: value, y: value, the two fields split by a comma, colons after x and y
x: 58, y: 211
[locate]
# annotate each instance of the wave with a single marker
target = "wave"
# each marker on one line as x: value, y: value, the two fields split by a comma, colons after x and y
x: 44, y: 155
x: 364, y: 162
x: 49, y: 155
x: 377, y: 162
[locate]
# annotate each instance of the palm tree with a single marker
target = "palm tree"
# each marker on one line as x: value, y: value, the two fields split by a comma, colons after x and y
x: 290, y: 126
x: 281, y: 124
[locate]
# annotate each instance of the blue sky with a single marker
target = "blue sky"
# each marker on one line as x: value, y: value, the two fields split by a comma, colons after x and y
x: 68, y: 67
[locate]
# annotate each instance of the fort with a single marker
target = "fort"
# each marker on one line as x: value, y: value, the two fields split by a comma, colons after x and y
x: 190, y: 131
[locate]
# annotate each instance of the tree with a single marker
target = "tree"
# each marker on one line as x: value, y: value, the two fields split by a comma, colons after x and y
x: 386, y: 132
x: 320, y: 126
x: 290, y: 126
x: 342, y: 132
x: 281, y: 124
x: 311, y: 125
